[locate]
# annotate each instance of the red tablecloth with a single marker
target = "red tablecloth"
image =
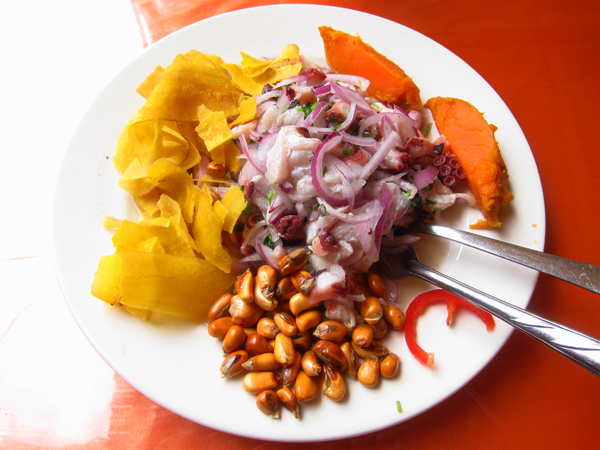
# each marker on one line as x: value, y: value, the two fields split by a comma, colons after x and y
x: 543, y: 58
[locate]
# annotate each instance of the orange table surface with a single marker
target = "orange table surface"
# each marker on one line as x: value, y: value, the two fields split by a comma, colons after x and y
x: 543, y: 59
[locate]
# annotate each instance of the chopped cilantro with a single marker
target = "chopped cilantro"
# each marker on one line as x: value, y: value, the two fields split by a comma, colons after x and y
x: 335, y: 119
x: 337, y: 127
x: 324, y: 170
x: 429, y: 202
x: 308, y: 108
x: 348, y: 151
x: 247, y: 208
x: 368, y: 134
x: 316, y: 207
x: 269, y: 242
x: 238, y: 228
x: 242, y: 187
x: 398, y: 406
x: 428, y: 129
x: 270, y: 196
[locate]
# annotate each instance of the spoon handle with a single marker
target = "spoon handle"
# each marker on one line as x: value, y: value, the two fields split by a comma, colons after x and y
x: 580, y: 348
x: 580, y: 274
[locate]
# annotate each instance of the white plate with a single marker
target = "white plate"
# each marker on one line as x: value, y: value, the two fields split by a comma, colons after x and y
x: 174, y: 362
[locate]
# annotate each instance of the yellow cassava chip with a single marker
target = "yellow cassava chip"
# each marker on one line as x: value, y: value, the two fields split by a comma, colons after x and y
x: 170, y: 209
x: 244, y: 82
x: 151, y: 245
x: 172, y: 180
x: 110, y: 223
x: 148, y: 85
x: 232, y: 156
x: 107, y: 280
x: 189, y: 81
x: 235, y: 202
x: 212, y: 127
x: 171, y: 284
x: 207, y: 226
x: 148, y: 204
x: 133, y: 180
x: 247, y: 111
x: 131, y: 234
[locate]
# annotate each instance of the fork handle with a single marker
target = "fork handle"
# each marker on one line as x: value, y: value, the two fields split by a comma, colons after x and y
x: 580, y: 348
x: 578, y: 273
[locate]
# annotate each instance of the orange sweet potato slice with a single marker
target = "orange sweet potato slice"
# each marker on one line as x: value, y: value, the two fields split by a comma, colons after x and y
x: 473, y: 142
x: 349, y: 54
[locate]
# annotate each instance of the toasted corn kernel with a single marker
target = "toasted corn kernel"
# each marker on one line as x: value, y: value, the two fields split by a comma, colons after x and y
x: 331, y: 330
x: 285, y: 290
x: 380, y: 329
x: 219, y: 327
x: 244, y: 286
x: 293, y: 262
x: 219, y: 308
x: 368, y: 372
x: 234, y: 339
x: 233, y: 364
x: 351, y: 358
x: 376, y: 285
x: 390, y: 366
x: 266, y: 327
x: 302, y: 281
x: 308, y: 319
x: 288, y: 399
x: 284, y: 350
x: 286, y: 323
x: 393, y: 316
x: 268, y: 403
x: 264, y: 288
x: 333, y: 384
x: 370, y: 310
x: 302, y: 341
x: 330, y: 353
x: 362, y: 335
x: 283, y: 307
x: 257, y: 344
x: 216, y: 170
x: 244, y: 314
x: 256, y: 382
x: 264, y: 361
x: 305, y: 387
x: 310, y: 364
x: 375, y: 348
x: 289, y: 373
x: 300, y: 302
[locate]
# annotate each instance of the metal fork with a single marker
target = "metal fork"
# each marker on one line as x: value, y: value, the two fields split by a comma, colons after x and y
x: 578, y: 273
x: 402, y: 262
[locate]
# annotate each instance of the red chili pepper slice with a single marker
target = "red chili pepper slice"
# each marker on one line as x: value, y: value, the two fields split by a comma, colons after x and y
x: 418, y: 306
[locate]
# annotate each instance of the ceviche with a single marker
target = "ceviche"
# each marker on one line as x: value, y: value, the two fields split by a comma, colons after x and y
x: 267, y: 191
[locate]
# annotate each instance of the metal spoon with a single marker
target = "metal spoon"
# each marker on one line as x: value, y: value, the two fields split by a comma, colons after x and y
x: 402, y: 262
x: 580, y: 274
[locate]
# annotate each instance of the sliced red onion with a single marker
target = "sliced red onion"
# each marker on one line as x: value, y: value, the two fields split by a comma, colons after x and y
x: 253, y: 257
x: 256, y: 136
x: 384, y: 148
x: 287, y: 187
x: 322, y: 90
x: 250, y: 155
x: 313, y: 115
x: 358, y: 140
x: 367, y: 233
x: 276, y: 214
x: 425, y: 177
x: 265, y: 251
x: 200, y: 168
x: 385, y: 198
x: 320, y: 130
x: 316, y: 170
x: 349, y: 217
x: 348, y: 121
x: 295, y: 79
x: 264, y: 97
x: 360, y: 82
x: 416, y: 116
x: 405, y: 124
x: 350, y: 97
x: 256, y: 229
